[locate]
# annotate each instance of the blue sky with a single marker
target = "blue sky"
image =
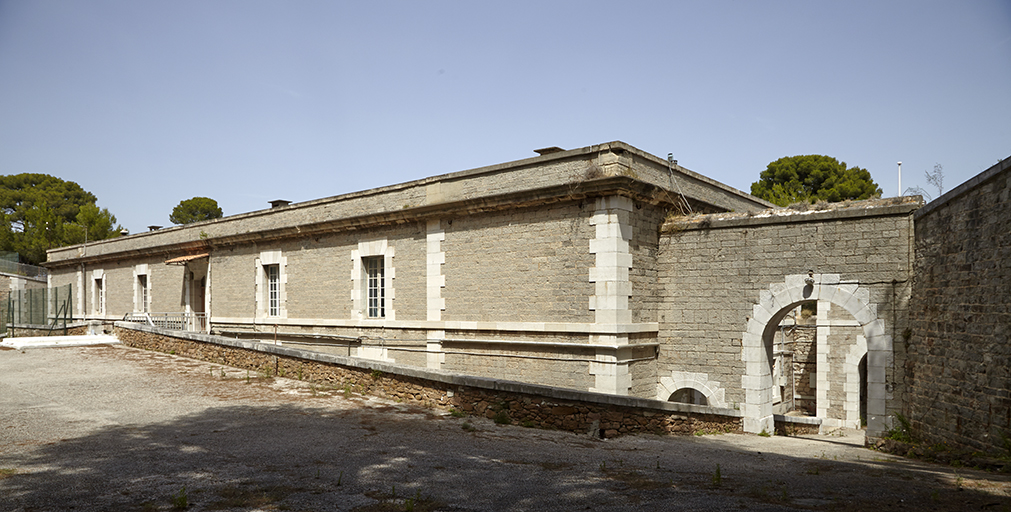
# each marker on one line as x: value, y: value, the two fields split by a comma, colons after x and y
x: 149, y: 103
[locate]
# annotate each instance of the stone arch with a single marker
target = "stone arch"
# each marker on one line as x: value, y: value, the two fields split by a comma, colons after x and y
x: 772, y: 307
x: 715, y: 395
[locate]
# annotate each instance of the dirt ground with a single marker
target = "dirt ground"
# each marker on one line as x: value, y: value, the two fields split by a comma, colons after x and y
x: 115, y: 428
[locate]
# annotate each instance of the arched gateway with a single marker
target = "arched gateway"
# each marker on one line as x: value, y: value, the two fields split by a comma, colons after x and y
x: 757, y: 342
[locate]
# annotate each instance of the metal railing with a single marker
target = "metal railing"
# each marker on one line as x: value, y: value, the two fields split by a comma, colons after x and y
x: 193, y: 322
x: 23, y: 269
x: 46, y: 309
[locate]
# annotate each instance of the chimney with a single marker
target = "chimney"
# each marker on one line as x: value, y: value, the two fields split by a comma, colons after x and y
x: 548, y: 150
x: 277, y: 203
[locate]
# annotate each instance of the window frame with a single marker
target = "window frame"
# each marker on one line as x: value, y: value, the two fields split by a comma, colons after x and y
x: 272, y: 275
x: 144, y: 293
x: 375, y: 294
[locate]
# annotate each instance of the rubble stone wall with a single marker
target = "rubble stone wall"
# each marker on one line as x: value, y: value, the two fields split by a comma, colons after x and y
x: 958, y: 369
x: 512, y: 402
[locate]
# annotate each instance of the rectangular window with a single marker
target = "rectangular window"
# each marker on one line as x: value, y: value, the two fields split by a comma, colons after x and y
x: 376, y: 286
x: 99, y: 296
x: 142, y: 288
x: 273, y: 290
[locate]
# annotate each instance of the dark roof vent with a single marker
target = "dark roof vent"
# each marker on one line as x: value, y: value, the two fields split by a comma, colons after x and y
x: 277, y: 203
x: 549, y: 150
x: 153, y: 228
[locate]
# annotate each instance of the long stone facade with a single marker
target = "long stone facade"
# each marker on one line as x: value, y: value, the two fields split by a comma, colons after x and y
x: 541, y: 270
x: 608, y: 270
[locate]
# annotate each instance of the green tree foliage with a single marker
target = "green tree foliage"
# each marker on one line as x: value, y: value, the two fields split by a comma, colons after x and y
x: 812, y: 178
x: 41, y: 212
x: 194, y: 210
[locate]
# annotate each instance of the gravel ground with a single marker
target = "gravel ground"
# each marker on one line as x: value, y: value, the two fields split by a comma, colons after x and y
x: 115, y: 428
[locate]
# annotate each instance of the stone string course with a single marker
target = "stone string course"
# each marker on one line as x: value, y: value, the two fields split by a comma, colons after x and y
x: 522, y: 408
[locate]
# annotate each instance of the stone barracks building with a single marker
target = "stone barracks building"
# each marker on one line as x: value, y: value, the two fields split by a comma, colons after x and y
x: 601, y: 269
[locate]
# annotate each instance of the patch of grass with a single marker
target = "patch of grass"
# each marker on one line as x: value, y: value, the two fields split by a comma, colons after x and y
x: 456, y: 413
x: 764, y: 433
x: 7, y: 472
x: 717, y: 477
x: 389, y: 502
x: 635, y: 480
x: 901, y: 432
x: 179, y: 500
x: 528, y: 424
x: 251, y: 498
x: 376, y: 374
x: 502, y: 418
x: 468, y: 427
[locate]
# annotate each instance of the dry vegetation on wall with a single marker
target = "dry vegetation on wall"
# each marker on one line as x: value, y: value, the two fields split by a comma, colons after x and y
x: 503, y: 407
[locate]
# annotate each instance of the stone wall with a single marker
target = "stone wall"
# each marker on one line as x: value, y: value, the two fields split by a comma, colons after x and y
x: 512, y: 402
x: 714, y: 270
x: 958, y: 368
x: 519, y: 266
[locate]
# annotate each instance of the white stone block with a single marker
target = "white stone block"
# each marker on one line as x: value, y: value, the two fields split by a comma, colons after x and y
x: 795, y: 280
x: 875, y: 328
x: 758, y: 425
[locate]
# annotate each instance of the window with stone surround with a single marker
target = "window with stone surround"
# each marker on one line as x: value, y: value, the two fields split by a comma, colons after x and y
x: 98, y: 297
x: 374, y: 270
x: 273, y: 290
x: 271, y: 280
x: 373, y: 278
x: 143, y: 294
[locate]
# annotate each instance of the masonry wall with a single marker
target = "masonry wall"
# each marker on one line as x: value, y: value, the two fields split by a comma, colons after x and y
x: 509, y: 402
x: 529, y: 265
x: 713, y: 269
x: 958, y: 368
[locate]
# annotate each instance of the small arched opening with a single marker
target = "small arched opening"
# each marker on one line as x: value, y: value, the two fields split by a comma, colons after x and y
x: 689, y: 396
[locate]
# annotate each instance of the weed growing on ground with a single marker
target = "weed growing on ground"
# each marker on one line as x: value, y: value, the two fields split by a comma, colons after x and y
x: 179, y: 500
x: 528, y: 424
x: 376, y: 374
x: 717, y: 477
x: 468, y: 427
x: 7, y: 472
x: 764, y: 433
x: 901, y: 432
x: 456, y: 413
x: 502, y: 418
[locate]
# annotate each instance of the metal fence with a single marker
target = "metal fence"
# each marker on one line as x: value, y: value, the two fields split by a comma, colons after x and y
x: 9, y: 265
x: 193, y: 322
x: 40, y: 308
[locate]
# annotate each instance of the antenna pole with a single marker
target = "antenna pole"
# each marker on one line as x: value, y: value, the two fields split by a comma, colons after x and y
x: 900, y: 179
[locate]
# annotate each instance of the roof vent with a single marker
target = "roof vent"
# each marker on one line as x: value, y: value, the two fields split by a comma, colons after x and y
x: 549, y: 150
x: 153, y: 228
x: 277, y: 203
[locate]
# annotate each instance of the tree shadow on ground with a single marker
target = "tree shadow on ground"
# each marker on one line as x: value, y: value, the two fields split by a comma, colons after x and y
x: 297, y: 457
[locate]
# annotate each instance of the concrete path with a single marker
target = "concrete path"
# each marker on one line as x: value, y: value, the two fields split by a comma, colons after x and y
x: 115, y: 428
x: 58, y: 341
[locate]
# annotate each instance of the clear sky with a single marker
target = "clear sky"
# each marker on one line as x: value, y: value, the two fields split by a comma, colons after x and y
x: 148, y: 103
